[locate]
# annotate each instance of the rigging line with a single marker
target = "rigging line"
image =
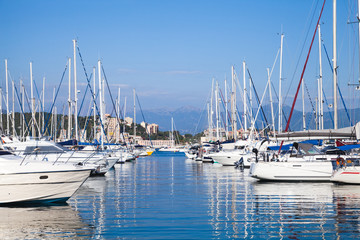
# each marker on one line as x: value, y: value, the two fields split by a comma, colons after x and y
x: 82, y: 102
x: 52, y: 106
x: 302, y: 75
x: 202, y: 112
x: 112, y: 100
x: 58, y: 129
x: 31, y: 120
x: 302, y: 48
x: 22, y: 110
x: 311, y: 102
x: 338, y: 88
x: 91, y: 91
x: 257, y: 97
x: 142, y: 113
x: 277, y: 98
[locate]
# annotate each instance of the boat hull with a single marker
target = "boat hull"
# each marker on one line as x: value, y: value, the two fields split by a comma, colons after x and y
x: 40, y: 186
x: 317, y: 171
x: 349, y: 175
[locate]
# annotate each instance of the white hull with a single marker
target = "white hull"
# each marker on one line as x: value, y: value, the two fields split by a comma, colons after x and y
x: 292, y: 171
x: 350, y: 175
x: 168, y: 150
x: 230, y: 158
x: 48, y: 186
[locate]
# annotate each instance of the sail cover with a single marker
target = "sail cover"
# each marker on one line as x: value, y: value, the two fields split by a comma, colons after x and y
x: 342, y: 133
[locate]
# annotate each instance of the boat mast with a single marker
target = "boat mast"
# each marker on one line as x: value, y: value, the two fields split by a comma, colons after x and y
x: 94, y: 97
x: 271, y: 101
x: 7, y: 99
x: 303, y: 105
x: 134, y: 117
x: 226, y: 111
x: 320, y: 88
x: 245, y: 111
x: 211, y: 110
x: 101, y: 105
x: 251, y: 103
x: 43, y: 105
x: 69, y: 102
x: 358, y: 18
x: 124, y: 128
x: 217, y: 110
x: 23, y: 101
x: 233, y: 104
x: 118, y: 118
x: 13, y: 108
x: 172, y: 133
x: 32, y: 102
x: 335, y: 66
x: 280, y: 79
x: 75, y: 96
x: 21, y: 112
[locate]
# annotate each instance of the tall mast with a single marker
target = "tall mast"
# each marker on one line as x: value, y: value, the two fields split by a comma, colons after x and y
x: 211, y: 110
x: 118, y: 118
x: 101, y: 105
x: 303, y: 105
x: 23, y: 101
x: 32, y: 102
x: 251, y: 103
x: 245, y: 107
x: 320, y: 90
x: 233, y: 104
x: 94, y: 96
x: 124, y: 115
x: 75, y: 96
x: 43, y: 105
x: 134, y: 116
x: 280, y: 79
x: 358, y: 18
x: 226, y: 111
x: 271, y: 101
x: 13, y: 108
x: 21, y: 112
x: 217, y: 110
x: 172, y: 133
x: 209, y: 121
x: 69, y: 102
x: 335, y: 66
x: 7, y: 99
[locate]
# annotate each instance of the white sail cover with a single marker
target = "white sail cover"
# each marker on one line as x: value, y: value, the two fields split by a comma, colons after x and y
x: 342, y: 133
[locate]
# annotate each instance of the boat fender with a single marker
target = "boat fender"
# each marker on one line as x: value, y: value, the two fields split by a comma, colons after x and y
x: 340, y: 162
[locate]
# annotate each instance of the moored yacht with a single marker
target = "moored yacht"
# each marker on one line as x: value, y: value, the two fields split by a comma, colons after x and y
x: 22, y: 180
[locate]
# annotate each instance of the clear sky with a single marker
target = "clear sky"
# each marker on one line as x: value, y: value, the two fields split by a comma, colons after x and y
x: 170, y: 50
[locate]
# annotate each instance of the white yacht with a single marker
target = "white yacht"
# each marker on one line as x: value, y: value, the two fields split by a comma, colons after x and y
x: 42, y: 150
x: 307, y: 164
x: 22, y: 180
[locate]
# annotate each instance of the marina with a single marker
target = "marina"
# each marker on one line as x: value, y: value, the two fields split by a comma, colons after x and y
x: 180, y: 120
x: 168, y: 196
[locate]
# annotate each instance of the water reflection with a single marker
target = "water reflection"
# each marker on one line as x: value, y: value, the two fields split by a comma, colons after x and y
x: 169, y: 197
x: 50, y: 222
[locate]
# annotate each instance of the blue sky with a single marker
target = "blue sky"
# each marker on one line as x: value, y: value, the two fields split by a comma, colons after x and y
x: 169, y: 51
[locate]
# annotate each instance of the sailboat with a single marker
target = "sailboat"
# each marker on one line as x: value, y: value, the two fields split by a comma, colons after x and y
x: 172, y: 147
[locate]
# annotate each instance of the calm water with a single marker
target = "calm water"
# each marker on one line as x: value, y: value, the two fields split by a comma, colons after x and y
x: 169, y: 197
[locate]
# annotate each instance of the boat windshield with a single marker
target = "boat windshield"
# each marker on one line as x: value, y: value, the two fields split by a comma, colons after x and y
x: 42, y: 150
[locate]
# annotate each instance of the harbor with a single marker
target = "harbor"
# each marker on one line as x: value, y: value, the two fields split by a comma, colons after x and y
x: 168, y: 196
x: 180, y: 120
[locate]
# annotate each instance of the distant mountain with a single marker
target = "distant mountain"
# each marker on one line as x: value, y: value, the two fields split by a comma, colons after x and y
x: 186, y: 119
x: 193, y: 120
